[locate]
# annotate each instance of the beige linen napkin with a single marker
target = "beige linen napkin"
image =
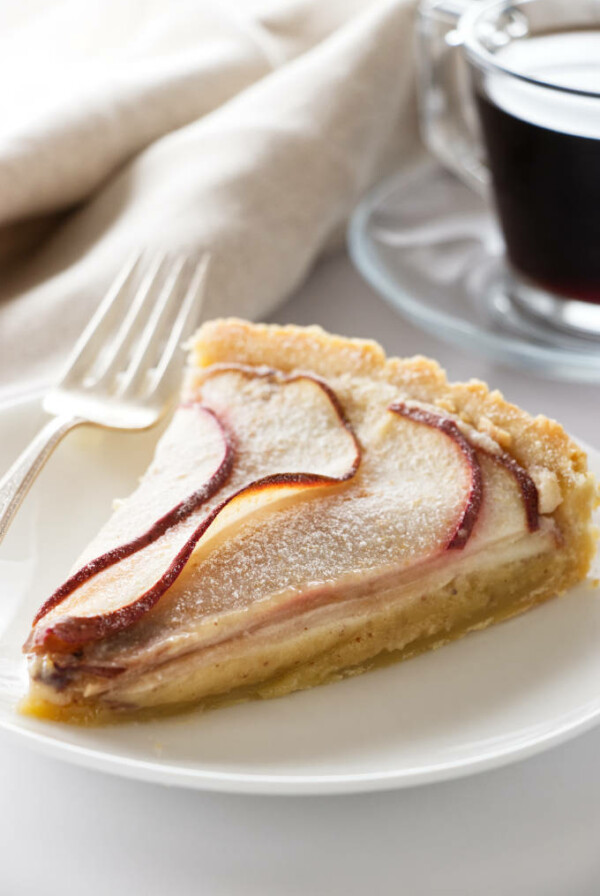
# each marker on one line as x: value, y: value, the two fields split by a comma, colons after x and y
x: 246, y: 128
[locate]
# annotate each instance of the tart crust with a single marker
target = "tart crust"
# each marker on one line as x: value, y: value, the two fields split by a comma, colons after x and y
x: 450, y: 604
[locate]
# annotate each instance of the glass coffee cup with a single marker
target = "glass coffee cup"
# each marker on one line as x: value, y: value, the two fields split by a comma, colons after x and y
x: 510, y: 102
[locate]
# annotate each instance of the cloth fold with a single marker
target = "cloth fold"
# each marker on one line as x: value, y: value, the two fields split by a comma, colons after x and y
x: 246, y: 129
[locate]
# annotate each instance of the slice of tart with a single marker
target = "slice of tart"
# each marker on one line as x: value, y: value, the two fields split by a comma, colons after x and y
x: 311, y: 509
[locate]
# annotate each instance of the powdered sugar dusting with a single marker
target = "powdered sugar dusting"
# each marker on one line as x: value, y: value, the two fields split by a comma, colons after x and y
x: 399, y: 509
x: 276, y: 427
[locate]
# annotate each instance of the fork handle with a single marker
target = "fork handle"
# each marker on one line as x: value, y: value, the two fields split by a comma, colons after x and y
x: 19, y: 479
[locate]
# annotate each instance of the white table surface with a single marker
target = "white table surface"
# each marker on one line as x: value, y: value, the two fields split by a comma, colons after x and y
x: 530, y: 829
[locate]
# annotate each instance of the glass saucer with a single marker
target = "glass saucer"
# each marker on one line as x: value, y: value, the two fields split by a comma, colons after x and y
x: 432, y: 248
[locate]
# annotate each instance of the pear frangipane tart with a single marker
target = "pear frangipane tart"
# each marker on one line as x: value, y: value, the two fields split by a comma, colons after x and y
x: 311, y: 509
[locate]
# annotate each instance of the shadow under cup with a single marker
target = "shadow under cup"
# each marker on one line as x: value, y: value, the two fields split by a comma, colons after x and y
x: 535, y: 70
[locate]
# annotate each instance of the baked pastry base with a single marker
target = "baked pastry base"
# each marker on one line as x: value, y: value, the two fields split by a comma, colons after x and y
x: 469, y: 602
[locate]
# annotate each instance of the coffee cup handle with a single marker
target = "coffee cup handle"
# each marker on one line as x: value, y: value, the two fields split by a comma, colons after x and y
x: 448, y: 118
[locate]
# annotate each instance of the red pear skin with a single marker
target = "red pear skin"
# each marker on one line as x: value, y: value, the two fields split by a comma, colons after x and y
x: 527, y: 487
x: 171, y: 518
x: 462, y: 532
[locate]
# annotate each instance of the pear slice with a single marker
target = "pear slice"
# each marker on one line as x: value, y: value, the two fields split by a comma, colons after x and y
x: 387, y: 525
x: 288, y: 435
x: 474, y: 495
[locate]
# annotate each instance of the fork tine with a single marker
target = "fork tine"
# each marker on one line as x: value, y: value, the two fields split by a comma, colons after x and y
x: 92, y: 339
x: 115, y: 356
x: 186, y: 318
x: 146, y: 353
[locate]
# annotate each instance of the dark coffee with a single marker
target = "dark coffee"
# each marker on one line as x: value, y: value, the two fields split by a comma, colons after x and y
x: 545, y: 167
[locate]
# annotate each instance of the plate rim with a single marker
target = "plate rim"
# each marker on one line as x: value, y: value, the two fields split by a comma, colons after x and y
x: 260, y: 783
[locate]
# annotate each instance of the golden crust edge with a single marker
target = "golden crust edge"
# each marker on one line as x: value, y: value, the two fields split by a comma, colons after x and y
x: 533, y: 441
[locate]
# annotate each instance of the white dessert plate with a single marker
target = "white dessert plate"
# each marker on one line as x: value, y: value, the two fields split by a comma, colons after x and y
x: 487, y: 700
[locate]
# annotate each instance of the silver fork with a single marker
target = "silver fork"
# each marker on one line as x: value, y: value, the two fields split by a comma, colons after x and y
x: 123, y: 369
